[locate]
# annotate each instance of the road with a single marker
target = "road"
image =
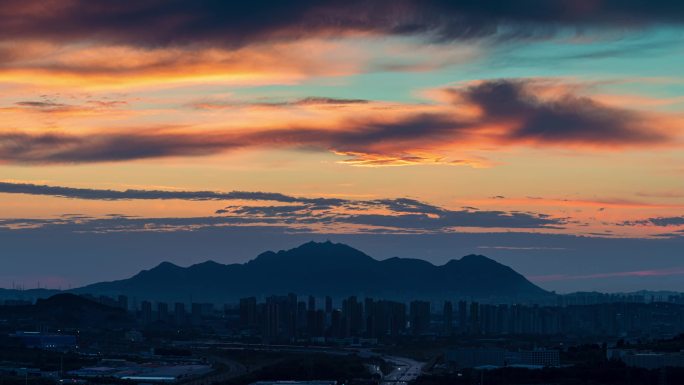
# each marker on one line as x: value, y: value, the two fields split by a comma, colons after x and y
x: 230, y: 370
x: 405, y: 370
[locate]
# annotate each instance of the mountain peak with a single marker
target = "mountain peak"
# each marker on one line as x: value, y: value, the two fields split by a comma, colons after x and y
x: 162, y: 270
x: 320, y: 245
x: 166, y: 265
x: 207, y: 264
x: 476, y: 258
x: 313, y: 252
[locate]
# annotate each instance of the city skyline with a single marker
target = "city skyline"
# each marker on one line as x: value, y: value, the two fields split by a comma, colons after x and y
x: 544, y: 135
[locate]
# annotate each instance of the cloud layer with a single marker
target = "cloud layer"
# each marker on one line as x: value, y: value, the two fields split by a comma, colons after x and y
x: 566, y: 118
x: 323, y: 214
x: 657, y: 221
x: 152, y: 23
x: 504, y: 112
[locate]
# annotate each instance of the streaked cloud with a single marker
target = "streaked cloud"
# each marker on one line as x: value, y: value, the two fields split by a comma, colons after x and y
x: 307, y: 101
x: 400, y: 214
x: 113, y: 195
x: 301, y: 218
x: 491, y: 113
x: 153, y: 23
x: 657, y: 221
x: 48, y: 106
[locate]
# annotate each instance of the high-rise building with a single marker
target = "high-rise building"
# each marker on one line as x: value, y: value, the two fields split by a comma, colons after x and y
x: 388, y: 319
x: 146, y: 311
x: 328, y: 304
x: 312, y: 303
x: 448, y: 318
x: 207, y: 309
x: 475, y: 318
x: 352, y: 313
x: 337, y: 327
x: 319, y: 329
x: 248, y: 312
x: 289, y: 308
x: 420, y: 317
x: 462, y: 316
x: 301, y: 316
x: 122, y: 302
x: 271, y: 320
x: 369, y: 314
x: 196, y: 313
x: 179, y: 313
x: 398, y: 320
x: 162, y: 311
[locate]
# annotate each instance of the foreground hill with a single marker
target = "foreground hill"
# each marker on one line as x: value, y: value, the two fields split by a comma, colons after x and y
x: 66, y: 311
x: 327, y: 269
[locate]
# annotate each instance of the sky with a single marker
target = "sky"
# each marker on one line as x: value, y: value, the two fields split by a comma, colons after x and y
x: 547, y: 135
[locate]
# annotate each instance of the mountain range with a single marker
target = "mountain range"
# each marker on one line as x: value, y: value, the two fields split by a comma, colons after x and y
x: 331, y: 269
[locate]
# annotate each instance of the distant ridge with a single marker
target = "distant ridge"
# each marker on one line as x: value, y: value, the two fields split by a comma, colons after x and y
x: 327, y: 269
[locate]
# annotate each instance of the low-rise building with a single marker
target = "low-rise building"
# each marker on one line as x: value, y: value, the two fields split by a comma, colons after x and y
x: 647, y: 359
x: 497, y: 357
x: 314, y: 382
x: 150, y: 372
x: 38, y: 340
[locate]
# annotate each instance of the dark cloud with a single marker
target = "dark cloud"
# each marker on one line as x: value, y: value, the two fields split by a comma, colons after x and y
x: 154, y: 23
x: 357, y: 136
x: 565, y: 119
x: 399, y: 214
x: 40, y: 104
x: 657, y: 221
x: 112, y: 195
x: 51, y: 106
x: 317, y: 100
x: 66, y: 148
x: 307, y: 101
x: 298, y: 218
x: 377, y: 137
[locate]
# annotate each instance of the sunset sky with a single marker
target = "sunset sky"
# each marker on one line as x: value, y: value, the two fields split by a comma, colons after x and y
x: 548, y: 135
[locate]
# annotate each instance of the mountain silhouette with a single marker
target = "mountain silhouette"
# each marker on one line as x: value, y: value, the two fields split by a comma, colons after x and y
x: 327, y: 269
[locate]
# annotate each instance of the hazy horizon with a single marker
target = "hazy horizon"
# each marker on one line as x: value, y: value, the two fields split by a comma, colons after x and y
x: 518, y: 258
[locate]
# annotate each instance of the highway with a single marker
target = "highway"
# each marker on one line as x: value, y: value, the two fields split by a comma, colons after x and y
x: 405, y: 371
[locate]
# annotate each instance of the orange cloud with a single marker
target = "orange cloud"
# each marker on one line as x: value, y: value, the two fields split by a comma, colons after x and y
x: 509, y: 113
x: 89, y: 66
